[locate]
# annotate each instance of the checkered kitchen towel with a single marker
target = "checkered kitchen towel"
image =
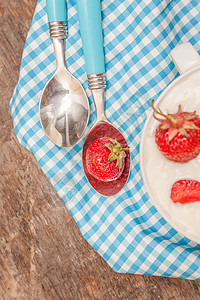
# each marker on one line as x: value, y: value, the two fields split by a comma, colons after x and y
x: 126, y: 230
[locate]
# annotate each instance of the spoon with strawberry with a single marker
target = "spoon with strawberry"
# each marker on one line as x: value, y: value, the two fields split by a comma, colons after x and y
x: 105, y: 155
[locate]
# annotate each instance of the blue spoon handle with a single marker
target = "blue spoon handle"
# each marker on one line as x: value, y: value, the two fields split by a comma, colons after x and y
x: 56, y: 10
x: 89, y: 13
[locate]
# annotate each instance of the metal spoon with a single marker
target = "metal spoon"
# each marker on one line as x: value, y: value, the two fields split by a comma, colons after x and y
x: 89, y: 12
x: 64, y: 106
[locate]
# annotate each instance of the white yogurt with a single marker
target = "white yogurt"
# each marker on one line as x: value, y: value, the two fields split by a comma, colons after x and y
x: 159, y: 173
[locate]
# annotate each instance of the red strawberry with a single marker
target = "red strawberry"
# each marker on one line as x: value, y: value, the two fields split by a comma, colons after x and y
x: 178, y: 135
x: 185, y: 191
x: 105, y: 159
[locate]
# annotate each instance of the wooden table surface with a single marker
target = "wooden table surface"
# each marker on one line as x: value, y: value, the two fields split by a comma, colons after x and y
x: 42, y: 253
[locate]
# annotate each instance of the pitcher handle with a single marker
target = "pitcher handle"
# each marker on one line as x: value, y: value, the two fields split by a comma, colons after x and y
x: 185, y: 57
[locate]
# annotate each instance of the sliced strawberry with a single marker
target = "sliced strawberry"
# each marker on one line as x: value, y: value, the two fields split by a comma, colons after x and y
x: 185, y: 191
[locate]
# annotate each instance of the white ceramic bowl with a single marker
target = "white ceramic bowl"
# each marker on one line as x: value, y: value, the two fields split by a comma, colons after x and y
x: 158, y: 173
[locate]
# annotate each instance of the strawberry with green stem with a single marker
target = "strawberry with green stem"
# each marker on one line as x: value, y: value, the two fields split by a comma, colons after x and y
x: 178, y: 135
x: 105, y: 159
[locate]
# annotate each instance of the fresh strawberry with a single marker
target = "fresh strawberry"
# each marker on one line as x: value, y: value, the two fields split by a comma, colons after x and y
x: 185, y: 191
x: 178, y: 135
x: 105, y: 159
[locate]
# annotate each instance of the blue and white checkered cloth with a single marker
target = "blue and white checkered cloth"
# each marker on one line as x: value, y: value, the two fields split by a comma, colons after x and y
x: 126, y: 230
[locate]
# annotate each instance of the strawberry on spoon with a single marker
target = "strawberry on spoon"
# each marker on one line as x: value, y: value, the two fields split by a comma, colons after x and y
x: 178, y: 135
x: 185, y: 191
x: 105, y: 159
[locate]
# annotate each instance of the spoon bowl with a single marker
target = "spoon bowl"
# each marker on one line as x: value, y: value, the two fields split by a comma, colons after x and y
x: 105, y: 129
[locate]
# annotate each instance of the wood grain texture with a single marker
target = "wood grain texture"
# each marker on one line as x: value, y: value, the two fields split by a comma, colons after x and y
x: 42, y: 253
